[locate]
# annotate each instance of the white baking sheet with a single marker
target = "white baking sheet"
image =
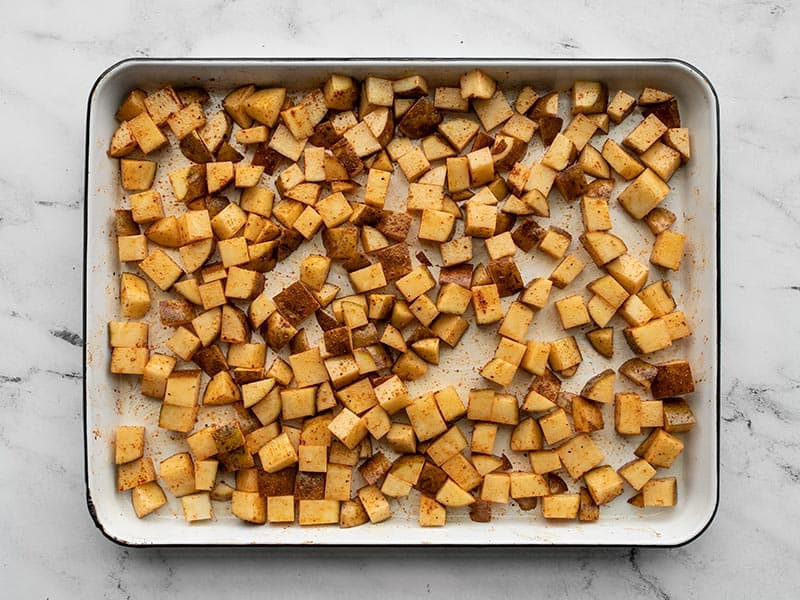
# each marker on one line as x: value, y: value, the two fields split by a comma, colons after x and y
x: 112, y: 400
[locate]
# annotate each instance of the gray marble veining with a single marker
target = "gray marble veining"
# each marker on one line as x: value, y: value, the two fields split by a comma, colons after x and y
x: 51, y: 53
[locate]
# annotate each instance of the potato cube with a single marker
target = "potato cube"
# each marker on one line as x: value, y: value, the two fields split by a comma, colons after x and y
x: 662, y: 160
x: 604, y: 484
x: 561, y: 506
x: 415, y: 283
x: 595, y: 214
x: 146, y: 133
x: 483, y: 438
x: 493, y: 111
x: 652, y: 413
x: 534, y: 360
x: 620, y: 106
x: 480, y: 220
x: 348, y: 428
x: 668, y: 250
x: 496, y: 488
x: 135, y: 473
x: 425, y: 417
x: 375, y: 503
x: 564, y: 354
x: 579, y: 131
x: 128, y: 444
x: 660, y: 449
x: 461, y: 471
x: 660, y: 492
x: 280, y: 509
x: 635, y: 312
x: 555, y: 426
x: 486, y: 301
x: 579, y: 455
x: 451, y: 494
x: 298, y: 402
x: 602, y: 246
x: 197, y: 507
x: 453, y: 299
x: 205, y: 474
x: 177, y: 472
x: 481, y: 167
x: 643, y: 194
x: 637, y: 473
x: 566, y: 271
x: 249, y: 506
x: 555, y: 242
x: 561, y: 153
x: 436, y: 225
x: 129, y: 361
x: 392, y: 395
x: 572, y: 311
x: 617, y: 157
x: 648, y: 338
x: 645, y: 134
x: 537, y: 293
x: 278, y: 454
x: 499, y: 371
x: 155, y: 375
x: 313, y: 459
x: 544, y: 461
x: 627, y: 414
x: 413, y: 163
x: 629, y: 272
x: 131, y: 248
x: 147, y: 498
x: 431, y: 513
x: 678, y: 138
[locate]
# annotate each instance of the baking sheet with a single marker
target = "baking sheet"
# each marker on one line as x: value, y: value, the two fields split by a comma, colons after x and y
x: 111, y: 401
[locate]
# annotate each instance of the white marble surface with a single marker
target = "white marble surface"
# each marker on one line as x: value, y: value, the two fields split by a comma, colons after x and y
x: 51, y: 54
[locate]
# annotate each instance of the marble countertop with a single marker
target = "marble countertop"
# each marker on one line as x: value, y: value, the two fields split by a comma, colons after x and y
x: 52, y: 53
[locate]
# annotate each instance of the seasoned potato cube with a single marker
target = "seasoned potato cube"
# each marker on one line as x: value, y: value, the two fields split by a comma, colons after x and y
x: 566, y: 271
x: 496, y: 488
x: 486, y: 302
x: 480, y: 220
x: 660, y: 492
x: 579, y: 455
x: 555, y: 426
x: 481, y: 167
x: 555, y: 242
x: 561, y: 506
x: 561, y: 153
x: 604, y: 484
x: 668, y: 250
x: 436, y: 225
x: 629, y: 272
x: 617, y: 157
x: 129, y: 361
x: 572, y: 311
x: 146, y: 133
x: 544, y: 461
x: 660, y: 449
x: 477, y: 84
x: 627, y: 413
x: 493, y: 111
x: 135, y: 473
x: 672, y: 378
x: 643, y: 194
x: 147, y: 498
x: 177, y: 472
x: 648, y: 338
x: 249, y: 506
x: 197, y: 507
x: 595, y: 214
x: 431, y: 513
x: 645, y: 134
x: 635, y: 312
x: 278, y: 454
x: 620, y: 106
x: 637, y: 473
x: 415, y: 283
x: 564, y: 354
x: 375, y: 503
